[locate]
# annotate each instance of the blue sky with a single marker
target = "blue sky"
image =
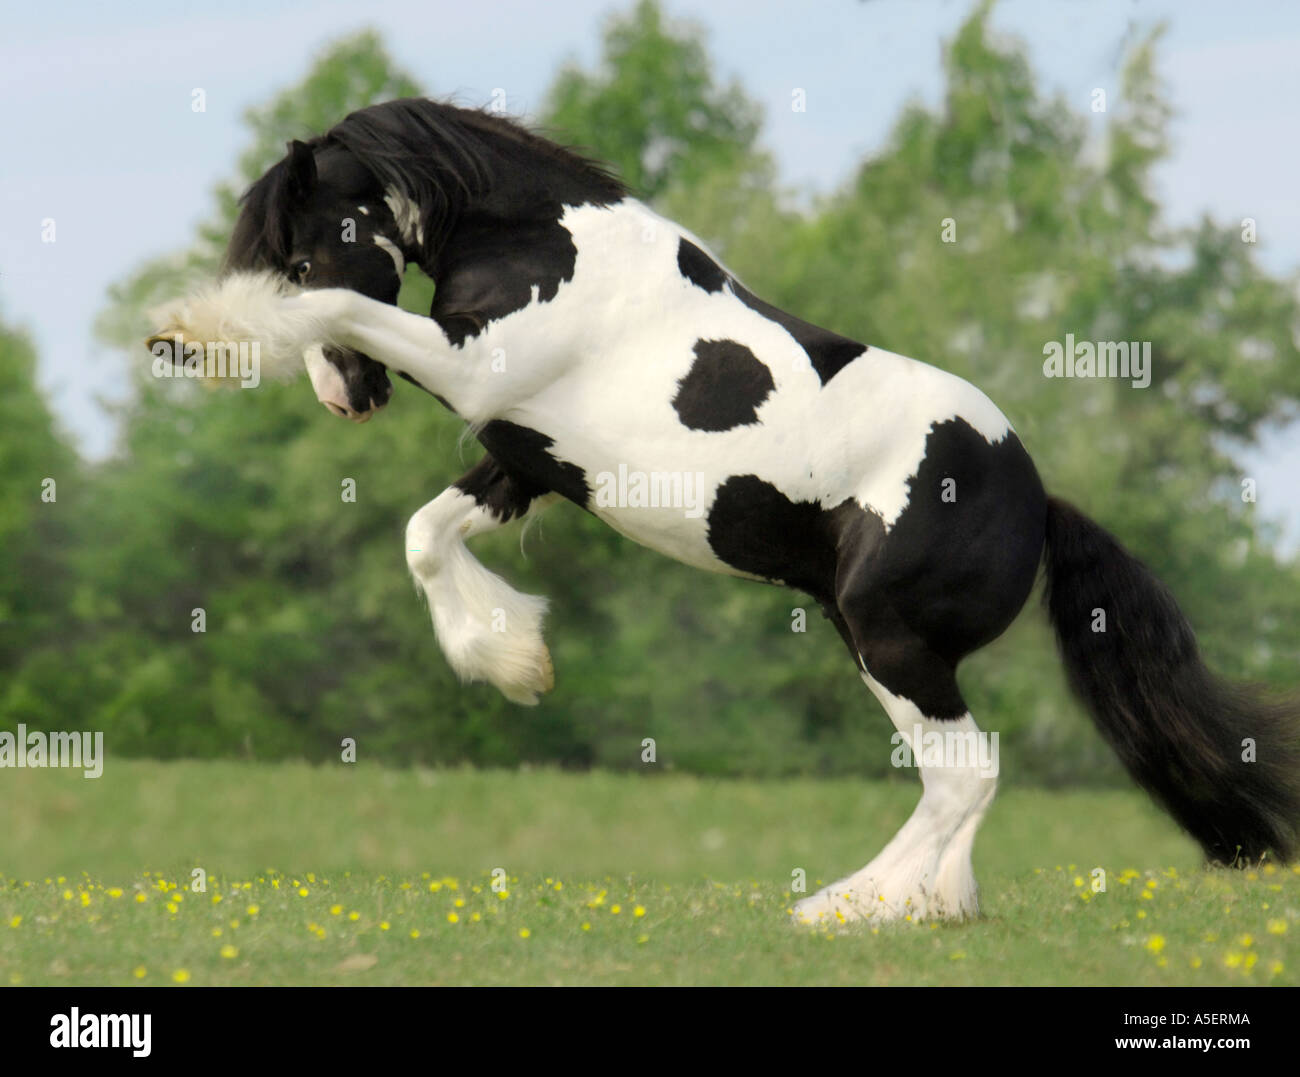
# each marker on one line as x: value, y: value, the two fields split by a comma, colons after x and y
x: 98, y: 133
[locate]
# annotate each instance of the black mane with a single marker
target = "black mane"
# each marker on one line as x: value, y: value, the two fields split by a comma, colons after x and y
x: 439, y: 156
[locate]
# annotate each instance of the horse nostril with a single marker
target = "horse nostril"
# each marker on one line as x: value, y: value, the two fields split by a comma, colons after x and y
x: 337, y: 409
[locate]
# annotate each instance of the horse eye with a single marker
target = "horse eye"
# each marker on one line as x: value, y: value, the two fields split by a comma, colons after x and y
x: 302, y: 271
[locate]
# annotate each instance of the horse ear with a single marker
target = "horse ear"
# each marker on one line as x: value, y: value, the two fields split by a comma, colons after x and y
x: 302, y: 171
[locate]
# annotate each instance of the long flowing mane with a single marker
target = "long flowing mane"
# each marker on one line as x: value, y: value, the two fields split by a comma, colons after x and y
x: 435, y: 154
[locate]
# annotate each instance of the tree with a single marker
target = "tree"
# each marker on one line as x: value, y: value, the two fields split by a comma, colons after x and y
x: 654, y: 109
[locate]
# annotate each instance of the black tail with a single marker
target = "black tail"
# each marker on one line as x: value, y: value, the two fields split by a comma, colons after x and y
x: 1179, y: 730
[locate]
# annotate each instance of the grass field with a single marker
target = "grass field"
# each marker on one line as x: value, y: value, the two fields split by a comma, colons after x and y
x: 359, y: 875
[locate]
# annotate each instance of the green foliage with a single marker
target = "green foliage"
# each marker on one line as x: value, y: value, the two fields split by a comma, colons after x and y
x: 229, y: 501
x: 653, y: 109
x: 40, y: 485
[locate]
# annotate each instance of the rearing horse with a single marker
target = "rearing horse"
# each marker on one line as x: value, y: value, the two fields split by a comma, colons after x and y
x: 601, y: 354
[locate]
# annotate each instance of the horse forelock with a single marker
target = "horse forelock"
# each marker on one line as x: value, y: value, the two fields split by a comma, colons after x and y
x: 262, y: 234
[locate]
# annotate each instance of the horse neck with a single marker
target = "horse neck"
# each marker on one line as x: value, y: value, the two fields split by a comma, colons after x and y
x: 526, y: 191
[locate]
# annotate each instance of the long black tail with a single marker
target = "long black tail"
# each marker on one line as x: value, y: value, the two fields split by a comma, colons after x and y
x: 1183, y: 734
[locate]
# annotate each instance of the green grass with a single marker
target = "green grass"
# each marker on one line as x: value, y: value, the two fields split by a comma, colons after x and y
x: 96, y: 883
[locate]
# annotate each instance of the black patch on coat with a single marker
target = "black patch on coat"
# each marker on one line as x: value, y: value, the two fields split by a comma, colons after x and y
x: 492, y: 487
x: 828, y: 352
x: 724, y: 387
x: 493, y: 269
x: 755, y: 528
x: 946, y: 579
x: 698, y: 268
x: 525, y: 454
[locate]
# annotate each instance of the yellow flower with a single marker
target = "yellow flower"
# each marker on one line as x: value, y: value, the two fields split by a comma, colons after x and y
x: 354, y: 915
x: 586, y: 927
x: 642, y: 938
x: 1196, y: 962
x: 216, y: 932
x: 1156, y: 943
x: 639, y: 911
x: 181, y: 976
x: 504, y: 895
x: 1245, y: 940
x: 15, y: 921
x: 171, y: 906
x: 115, y: 892
x: 1277, y: 927
x: 452, y: 918
x: 303, y: 891
x: 141, y: 897
x: 415, y: 934
x: 616, y: 909
x: 252, y: 910
x: 67, y: 895
x: 336, y: 910
x: 524, y: 932
x: 216, y: 899
x: 459, y: 903
x: 475, y: 918
x: 140, y: 972
x: 383, y: 925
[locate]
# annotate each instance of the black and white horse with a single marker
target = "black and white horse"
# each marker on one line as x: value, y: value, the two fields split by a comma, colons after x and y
x: 601, y: 354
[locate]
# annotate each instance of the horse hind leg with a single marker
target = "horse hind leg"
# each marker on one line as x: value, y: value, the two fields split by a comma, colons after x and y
x: 925, y: 870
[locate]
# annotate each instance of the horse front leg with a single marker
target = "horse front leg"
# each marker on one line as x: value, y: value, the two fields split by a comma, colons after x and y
x: 488, y: 630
